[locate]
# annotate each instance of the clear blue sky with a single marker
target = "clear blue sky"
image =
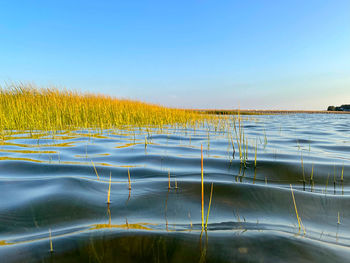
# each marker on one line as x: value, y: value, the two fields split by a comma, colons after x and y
x: 288, y: 54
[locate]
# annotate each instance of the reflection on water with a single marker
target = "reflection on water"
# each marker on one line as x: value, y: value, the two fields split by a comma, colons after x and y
x: 47, y: 181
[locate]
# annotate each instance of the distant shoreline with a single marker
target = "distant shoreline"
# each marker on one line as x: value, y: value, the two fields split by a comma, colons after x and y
x: 262, y: 112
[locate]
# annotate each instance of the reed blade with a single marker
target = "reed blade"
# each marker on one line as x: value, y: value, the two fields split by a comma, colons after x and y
x: 51, y: 246
x: 211, y: 195
x: 129, y: 179
x: 98, y: 178
x: 109, y: 189
x: 202, y: 187
x: 300, y: 224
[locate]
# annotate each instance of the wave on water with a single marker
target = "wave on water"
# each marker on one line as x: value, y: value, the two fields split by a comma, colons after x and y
x: 53, y: 192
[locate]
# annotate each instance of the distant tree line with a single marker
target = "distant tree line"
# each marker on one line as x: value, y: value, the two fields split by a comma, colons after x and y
x: 344, y: 107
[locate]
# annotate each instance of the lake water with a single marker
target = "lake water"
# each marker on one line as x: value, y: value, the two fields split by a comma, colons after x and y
x: 53, y: 207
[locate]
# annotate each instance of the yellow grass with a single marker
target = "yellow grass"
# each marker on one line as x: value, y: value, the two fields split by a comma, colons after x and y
x: 26, y: 107
x: 51, y: 247
x: 208, y: 212
x: 169, y: 180
x: 98, y: 178
x: 202, y: 187
x: 109, y: 189
x: 129, y: 180
x: 300, y: 223
x: 256, y: 146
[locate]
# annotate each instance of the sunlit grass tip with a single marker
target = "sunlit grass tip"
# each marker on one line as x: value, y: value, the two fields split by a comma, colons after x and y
x: 50, y: 239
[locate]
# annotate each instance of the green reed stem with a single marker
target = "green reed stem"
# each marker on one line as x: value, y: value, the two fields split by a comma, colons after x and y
x: 51, y: 247
x: 211, y: 195
x: 202, y: 187
x: 129, y: 179
x: 295, y: 207
x: 256, y: 146
x: 98, y: 178
x: 109, y: 189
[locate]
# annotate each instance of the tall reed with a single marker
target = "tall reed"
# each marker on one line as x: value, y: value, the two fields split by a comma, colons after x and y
x: 312, y: 178
x: 51, y: 247
x: 169, y: 186
x: 202, y: 187
x: 303, y: 172
x: 211, y: 195
x: 98, y: 178
x: 109, y: 189
x: 129, y: 179
x: 300, y: 223
x: 256, y: 146
x: 342, y: 174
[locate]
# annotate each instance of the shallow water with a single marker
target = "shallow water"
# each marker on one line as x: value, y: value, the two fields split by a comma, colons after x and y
x: 50, y: 193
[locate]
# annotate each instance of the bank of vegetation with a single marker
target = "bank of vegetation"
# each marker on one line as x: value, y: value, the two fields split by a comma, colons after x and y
x: 27, y: 107
x: 344, y: 107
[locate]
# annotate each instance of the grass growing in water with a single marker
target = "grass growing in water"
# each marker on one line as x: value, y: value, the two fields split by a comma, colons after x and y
x: 98, y: 178
x: 202, y: 187
x: 312, y: 178
x: 26, y: 107
x: 169, y: 180
x: 109, y: 189
x: 256, y: 146
x: 211, y: 195
x: 342, y: 174
x: 51, y: 247
x: 129, y: 180
x: 302, y: 167
x: 300, y: 223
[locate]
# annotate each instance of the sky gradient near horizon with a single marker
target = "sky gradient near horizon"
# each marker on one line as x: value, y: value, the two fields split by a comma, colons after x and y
x: 291, y: 54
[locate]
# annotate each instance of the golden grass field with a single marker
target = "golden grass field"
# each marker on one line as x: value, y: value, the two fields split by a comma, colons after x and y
x: 26, y: 107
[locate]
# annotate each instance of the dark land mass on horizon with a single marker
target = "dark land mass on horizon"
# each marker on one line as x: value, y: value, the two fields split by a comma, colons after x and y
x: 344, y: 107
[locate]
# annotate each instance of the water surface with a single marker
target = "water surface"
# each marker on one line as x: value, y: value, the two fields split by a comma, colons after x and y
x: 50, y: 193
